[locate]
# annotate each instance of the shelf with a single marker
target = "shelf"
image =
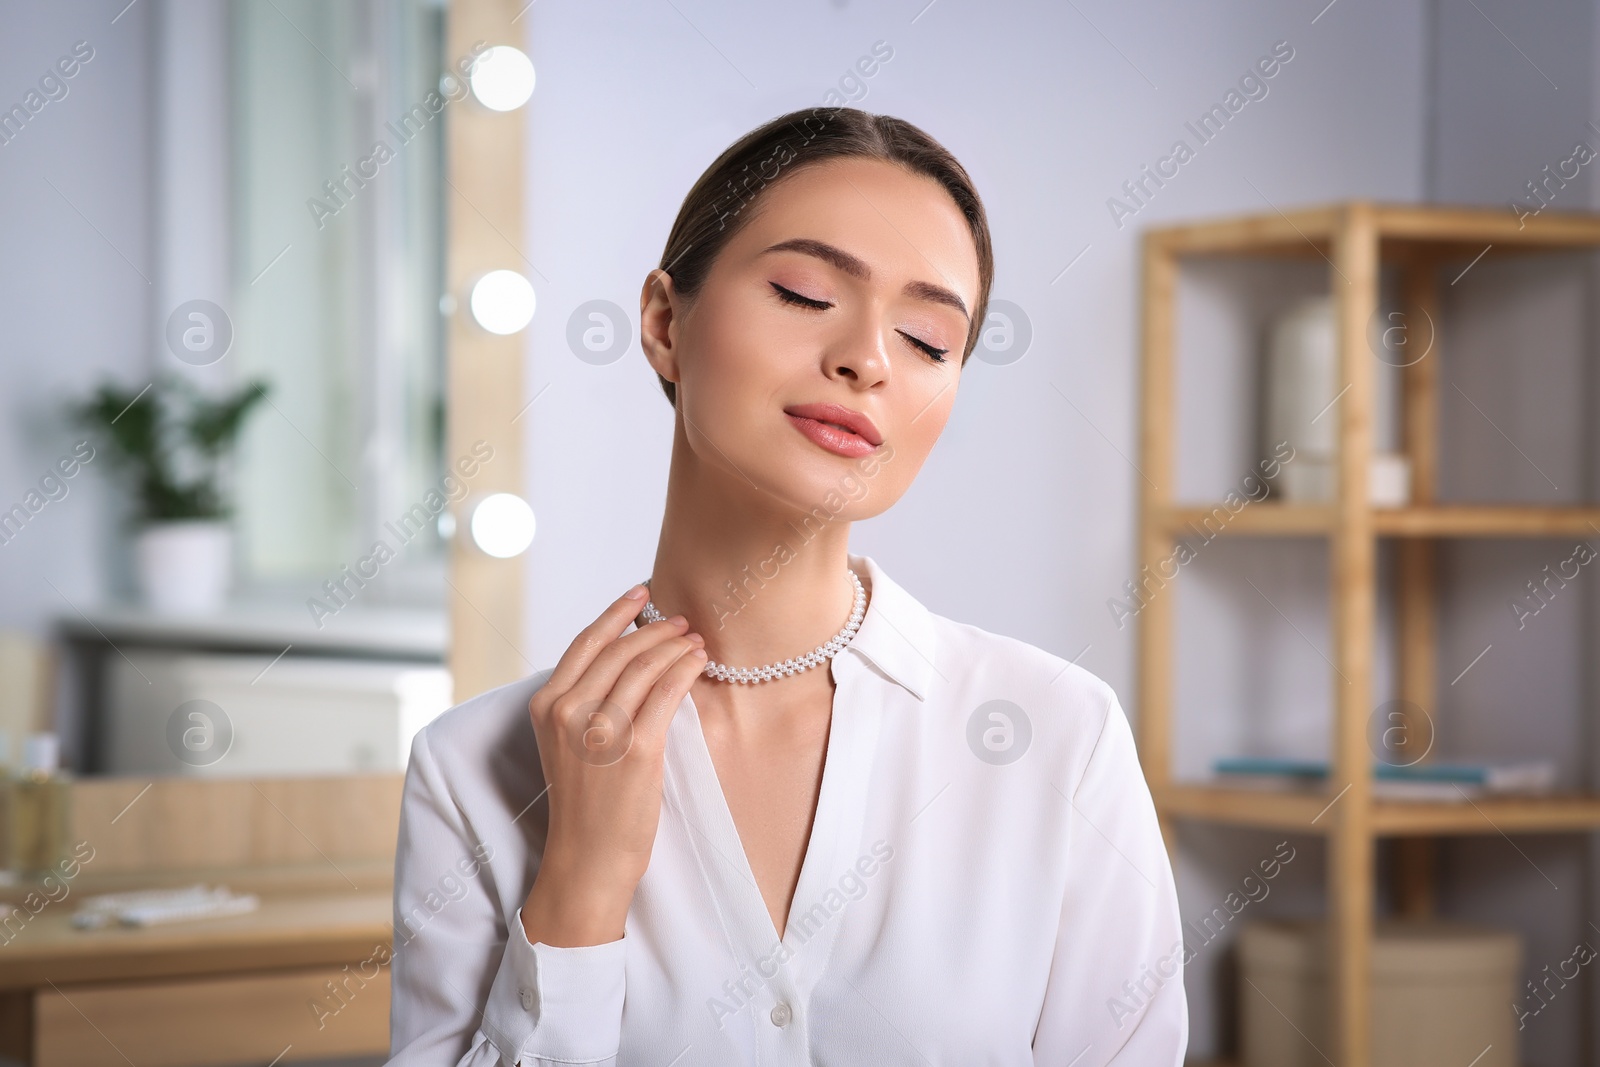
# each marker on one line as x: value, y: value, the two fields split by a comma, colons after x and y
x: 1462, y: 231
x: 1261, y: 808
x: 1428, y: 248
x: 1214, y: 1063
x: 1284, y: 809
x: 1487, y: 521
x: 1438, y: 520
x: 370, y: 631
x: 1488, y: 815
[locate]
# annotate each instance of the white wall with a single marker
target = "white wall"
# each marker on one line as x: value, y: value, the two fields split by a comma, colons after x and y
x: 76, y: 264
x: 1023, y: 519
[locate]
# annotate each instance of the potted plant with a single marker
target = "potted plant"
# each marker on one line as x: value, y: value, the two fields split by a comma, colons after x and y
x: 175, y: 442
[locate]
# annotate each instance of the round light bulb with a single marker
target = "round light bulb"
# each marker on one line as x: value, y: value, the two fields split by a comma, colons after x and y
x: 502, y: 301
x: 502, y: 78
x: 503, y: 525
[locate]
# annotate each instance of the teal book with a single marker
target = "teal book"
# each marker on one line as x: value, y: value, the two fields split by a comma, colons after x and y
x: 1493, y: 778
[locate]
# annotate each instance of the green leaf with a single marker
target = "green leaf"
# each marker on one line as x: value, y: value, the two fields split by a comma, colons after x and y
x: 168, y: 427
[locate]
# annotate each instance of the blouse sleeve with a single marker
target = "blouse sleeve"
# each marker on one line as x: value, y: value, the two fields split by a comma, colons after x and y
x: 462, y: 990
x: 1115, y: 991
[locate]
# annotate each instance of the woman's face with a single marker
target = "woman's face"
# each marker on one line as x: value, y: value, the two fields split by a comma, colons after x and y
x: 851, y: 285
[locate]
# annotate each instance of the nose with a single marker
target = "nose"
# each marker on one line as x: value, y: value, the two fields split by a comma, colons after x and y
x: 860, y: 355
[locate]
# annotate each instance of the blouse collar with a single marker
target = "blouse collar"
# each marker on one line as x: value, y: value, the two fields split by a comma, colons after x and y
x: 897, y: 632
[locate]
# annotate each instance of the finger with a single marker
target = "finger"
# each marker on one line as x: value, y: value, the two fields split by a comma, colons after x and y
x: 593, y: 639
x: 665, y: 697
x: 601, y: 677
x: 644, y: 670
x: 597, y: 725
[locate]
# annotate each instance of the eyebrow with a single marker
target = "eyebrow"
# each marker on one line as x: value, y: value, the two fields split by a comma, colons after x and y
x: 857, y: 268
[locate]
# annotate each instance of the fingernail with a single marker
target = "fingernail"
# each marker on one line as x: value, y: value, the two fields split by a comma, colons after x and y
x: 638, y: 592
x: 697, y: 639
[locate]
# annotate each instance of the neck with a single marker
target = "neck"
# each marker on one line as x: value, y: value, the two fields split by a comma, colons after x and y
x: 759, y: 578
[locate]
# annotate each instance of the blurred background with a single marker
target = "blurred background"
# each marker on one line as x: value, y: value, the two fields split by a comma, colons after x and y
x: 322, y: 408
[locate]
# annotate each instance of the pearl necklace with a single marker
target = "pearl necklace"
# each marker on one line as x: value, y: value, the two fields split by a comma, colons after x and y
x: 794, y: 665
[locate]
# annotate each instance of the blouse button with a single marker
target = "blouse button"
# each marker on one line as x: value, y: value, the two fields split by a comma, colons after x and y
x: 781, y: 1015
x: 527, y: 999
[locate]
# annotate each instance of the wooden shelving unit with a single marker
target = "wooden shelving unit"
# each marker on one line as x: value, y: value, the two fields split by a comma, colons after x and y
x: 1355, y: 238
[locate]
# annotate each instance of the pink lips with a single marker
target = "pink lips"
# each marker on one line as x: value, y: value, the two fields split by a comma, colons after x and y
x: 838, y: 429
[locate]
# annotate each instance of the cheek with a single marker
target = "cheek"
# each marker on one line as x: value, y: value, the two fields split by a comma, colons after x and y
x: 917, y: 433
x: 930, y: 403
x: 733, y: 369
x: 732, y: 342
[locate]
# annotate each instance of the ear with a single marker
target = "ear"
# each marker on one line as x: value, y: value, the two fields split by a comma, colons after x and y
x: 658, y: 324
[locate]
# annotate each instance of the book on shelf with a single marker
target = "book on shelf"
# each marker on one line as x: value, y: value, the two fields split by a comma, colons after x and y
x: 1416, y: 781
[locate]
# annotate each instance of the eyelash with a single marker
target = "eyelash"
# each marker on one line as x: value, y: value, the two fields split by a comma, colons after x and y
x: 791, y: 297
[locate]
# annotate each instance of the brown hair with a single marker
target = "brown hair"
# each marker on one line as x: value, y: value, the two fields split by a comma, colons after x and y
x: 718, y: 204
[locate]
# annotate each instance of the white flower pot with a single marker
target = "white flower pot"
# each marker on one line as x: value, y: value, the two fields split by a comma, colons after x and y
x: 185, y: 567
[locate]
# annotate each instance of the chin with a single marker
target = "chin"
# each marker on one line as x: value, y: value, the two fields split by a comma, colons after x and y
x: 839, y: 488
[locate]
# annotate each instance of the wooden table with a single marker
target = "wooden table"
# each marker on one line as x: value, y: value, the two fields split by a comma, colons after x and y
x: 304, y: 977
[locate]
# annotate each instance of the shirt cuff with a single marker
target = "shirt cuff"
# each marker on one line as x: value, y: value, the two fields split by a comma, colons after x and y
x: 556, y: 1005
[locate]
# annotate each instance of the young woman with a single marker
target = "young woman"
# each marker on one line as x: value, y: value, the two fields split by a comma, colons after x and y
x: 768, y: 808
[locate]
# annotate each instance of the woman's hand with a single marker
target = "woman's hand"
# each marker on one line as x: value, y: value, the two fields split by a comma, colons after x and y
x: 601, y: 725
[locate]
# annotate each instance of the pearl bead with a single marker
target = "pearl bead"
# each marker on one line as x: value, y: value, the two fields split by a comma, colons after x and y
x: 821, y: 654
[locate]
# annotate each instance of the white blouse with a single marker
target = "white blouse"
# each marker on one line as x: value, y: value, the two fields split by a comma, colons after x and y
x: 985, y: 883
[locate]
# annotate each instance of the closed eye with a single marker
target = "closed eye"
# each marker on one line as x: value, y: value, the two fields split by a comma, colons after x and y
x: 789, y: 296
x: 935, y: 354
